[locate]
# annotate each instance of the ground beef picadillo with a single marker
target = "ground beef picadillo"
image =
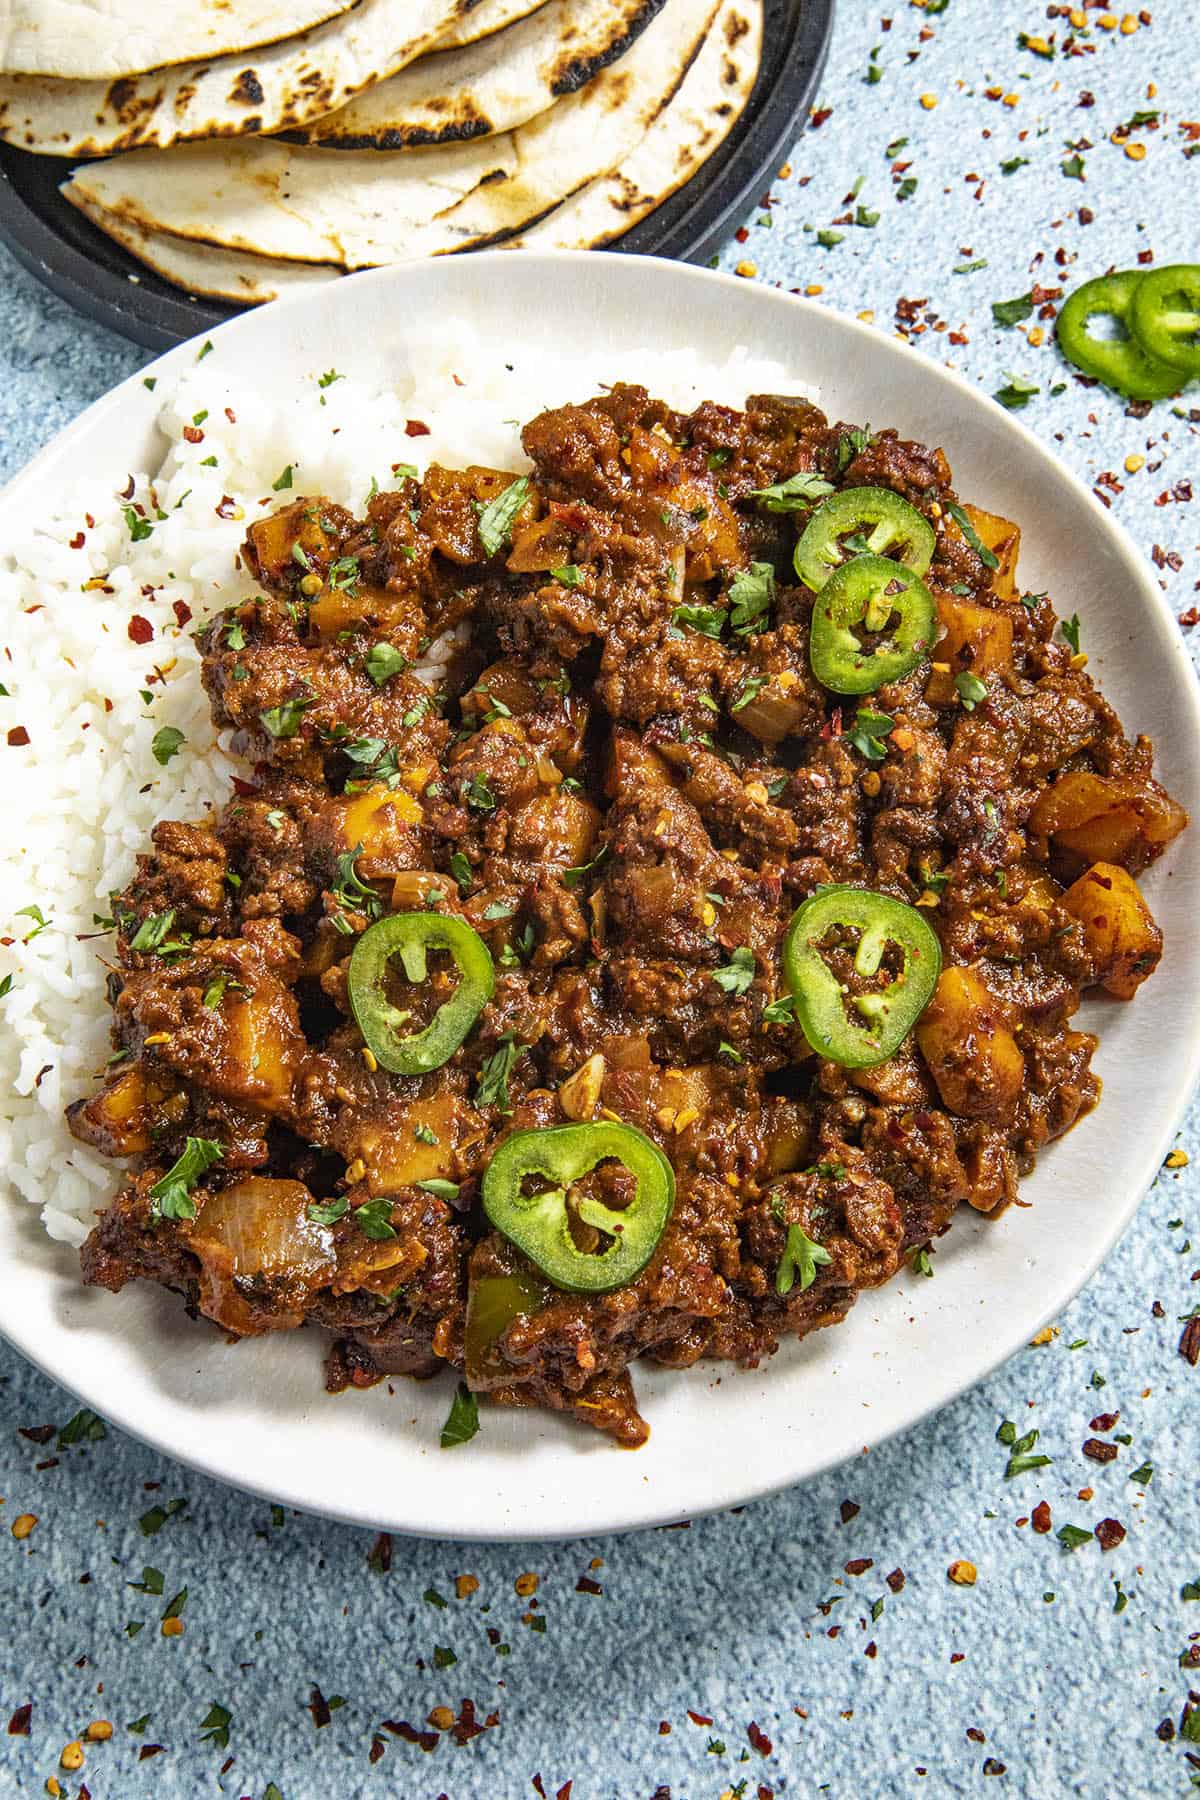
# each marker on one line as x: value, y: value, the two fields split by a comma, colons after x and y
x: 620, y: 790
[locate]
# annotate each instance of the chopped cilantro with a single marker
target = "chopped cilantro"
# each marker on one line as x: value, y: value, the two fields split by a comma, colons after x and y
x: 153, y: 930
x: 374, y: 1219
x: 138, y: 527
x: 1070, y: 630
x: 1016, y: 392
x: 382, y: 661
x: 801, y: 1257
x: 870, y: 729
x: 970, y: 690
x: 283, y: 721
x: 492, y: 1088
x: 569, y: 575
x: 462, y: 1422
x: 171, y: 1196
x: 496, y: 518
x: 751, y: 596
x: 797, y: 491
x: 166, y: 744
x: 738, y: 973
x: 1007, y: 313
x: 973, y: 538
x: 707, y: 620
x: 327, y: 1212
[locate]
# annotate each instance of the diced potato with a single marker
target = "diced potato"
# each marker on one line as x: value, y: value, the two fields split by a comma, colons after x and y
x: 975, y: 639
x: 396, y: 1157
x: 547, y: 544
x: 342, y: 608
x: 262, y: 1049
x: 973, y: 1057
x: 118, y: 1120
x: 1122, y: 938
x: 775, y: 711
x: 450, y: 515
x: 503, y: 683
x: 1107, y: 818
x: 1003, y: 539
x: 381, y: 819
x: 558, y: 828
x: 269, y: 542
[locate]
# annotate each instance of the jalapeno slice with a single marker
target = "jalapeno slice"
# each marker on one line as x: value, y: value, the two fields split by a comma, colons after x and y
x: 858, y: 928
x: 1119, y: 362
x: 884, y: 524
x: 1166, y: 316
x: 880, y: 597
x: 538, y: 1223
x: 410, y: 936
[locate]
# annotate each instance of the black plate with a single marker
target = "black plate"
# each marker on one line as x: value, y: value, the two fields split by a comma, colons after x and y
x: 75, y: 260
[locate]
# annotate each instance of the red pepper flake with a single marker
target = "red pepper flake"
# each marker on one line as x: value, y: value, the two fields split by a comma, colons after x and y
x: 758, y: 1739
x: 1110, y: 1533
x: 564, y: 1792
x: 818, y: 116
x: 1099, y: 1451
x: 18, y: 737
x: 1103, y: 1421
x: 318, y: 1706
x: 76, y: 542
x: 872, y: 1650
x: 585, y: 1585
x: 231, y: 415
x: 377, y: 1749
x: 992, y: 1767
x: 958, y: 1657
x: 37, y: 1434
x: 18, y: 1725
x: 380, y: 1556
x: 401, y: 1728
x: 227, y: 508
x: 244, y: 788
x: 149, y: 1750
x: 1189, y: 1342
x: 895, y: 1581
x: 1190, y: 617
x: 765, y: 1792
x: 182, y: 611
x: 858, y: 1565
x: 140, y: 630
x: 698, y: 1718
x: 415, y: 428
x: 1041, y: 1518
x: 664, y: 1728
x: 976, y: 1736
x: 849, y: 1509
x: 125, y: 493
x: 193, y: 434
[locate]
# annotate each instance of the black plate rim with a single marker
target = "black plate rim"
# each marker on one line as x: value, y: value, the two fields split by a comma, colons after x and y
x: 75, y: 260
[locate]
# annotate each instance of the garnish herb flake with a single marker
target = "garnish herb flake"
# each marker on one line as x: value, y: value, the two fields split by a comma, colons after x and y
x: 171, y: 1197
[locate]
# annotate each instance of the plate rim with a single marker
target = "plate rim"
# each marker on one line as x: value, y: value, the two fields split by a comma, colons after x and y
x: 1008, y: 1337
x: 146, y: 309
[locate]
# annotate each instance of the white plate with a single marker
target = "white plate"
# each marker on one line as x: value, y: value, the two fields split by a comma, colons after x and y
x: 255, y: 1414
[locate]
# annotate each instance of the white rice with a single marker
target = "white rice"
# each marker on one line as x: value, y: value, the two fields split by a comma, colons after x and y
x: 81, y: 800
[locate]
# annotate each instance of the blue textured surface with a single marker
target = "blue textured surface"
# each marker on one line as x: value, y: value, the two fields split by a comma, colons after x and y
x: 1031, y: 1678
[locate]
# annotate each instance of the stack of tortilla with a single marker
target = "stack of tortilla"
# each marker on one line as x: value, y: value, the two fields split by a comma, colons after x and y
x: 376, y: 130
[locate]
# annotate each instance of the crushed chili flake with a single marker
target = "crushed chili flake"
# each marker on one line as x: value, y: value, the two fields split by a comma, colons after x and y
x: 858, y: 1565
x: 538, y: 1788
x: 895, y: 1580
x: 1189, y: 1342
x: 379, y: 1557
x: 758, y: 1739
x: 376, y: 1751
x: 149, y: 1750
x: 37, y: 1434
x: 426, y: 1740
x: 77, y: 541
x: 698, y: 1718
x: 18, y: 736
x: 140, y: 630
x: 849, y: 1509
x: 564, y: 1792
x: 1040, y: 1517
x: 318, y: 1706
x: 416, y: 428
x: 1103, y: 1421
x: 1110, y: 1533
x: 1099, y: 1451
x: 193, y: 434
x: 586, y: 1585
x: 18, y: 1725
x: 182, y: 611
x: 872, y: 1650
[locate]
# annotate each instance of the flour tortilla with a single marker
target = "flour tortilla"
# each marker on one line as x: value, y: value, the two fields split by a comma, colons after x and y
x: 712, y: 98
x: 361, y: 208
x: 285, y: 85
x: 103, y: 38
x: 206, y: 270
x: 484, y: 19
x: 491, y: 86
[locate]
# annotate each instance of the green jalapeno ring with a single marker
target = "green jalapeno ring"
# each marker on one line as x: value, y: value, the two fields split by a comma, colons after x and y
x: 1120, y: 363
x: 857, y: 594
x: 1165, y: 316
x: 538, y: 1224
x: 410, y: 936
x: 887, y: 520
x: 890, y: 1013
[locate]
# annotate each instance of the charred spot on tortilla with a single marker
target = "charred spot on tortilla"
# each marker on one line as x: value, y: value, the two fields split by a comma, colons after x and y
x: 573, y: 72
x: 247, y: 89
